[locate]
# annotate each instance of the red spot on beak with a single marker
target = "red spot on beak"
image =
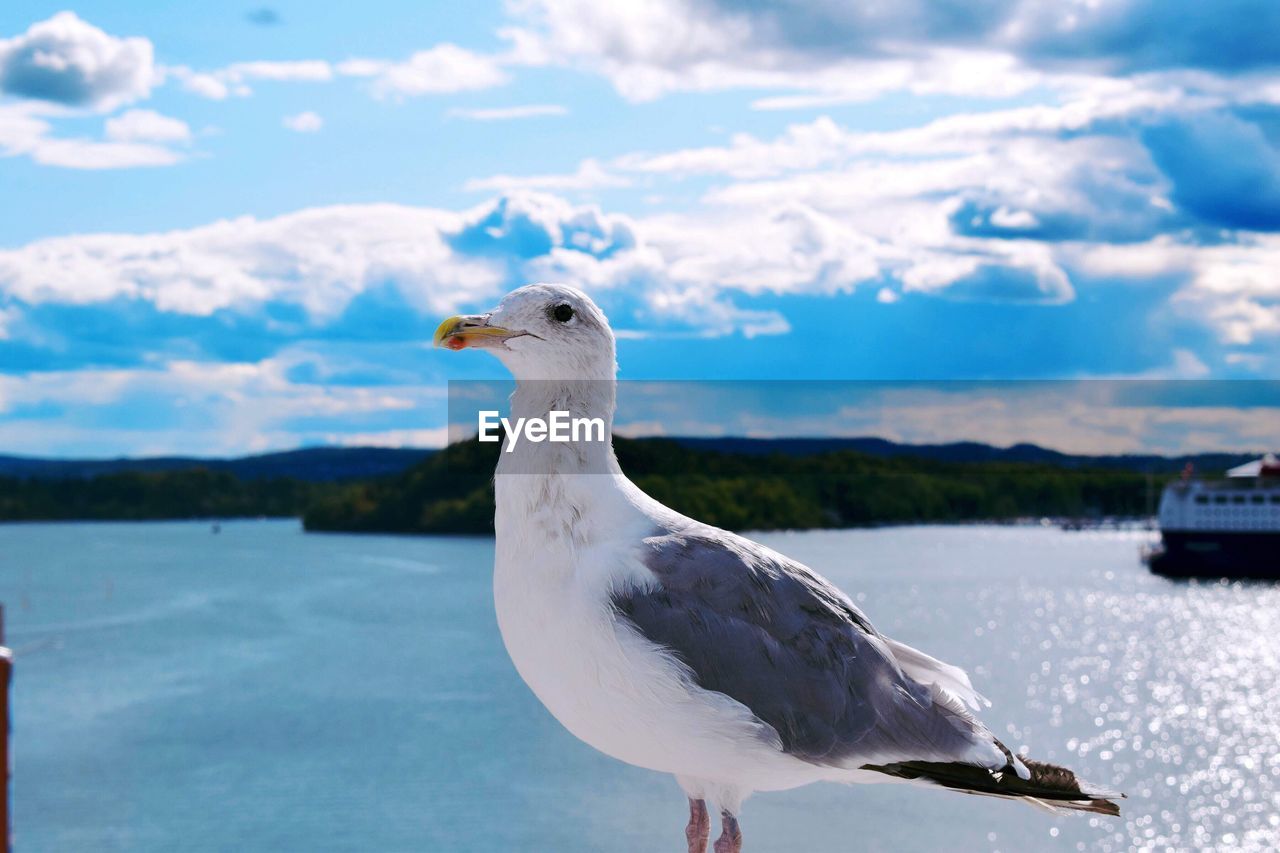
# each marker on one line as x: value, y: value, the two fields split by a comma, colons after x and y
x: 456, y: 342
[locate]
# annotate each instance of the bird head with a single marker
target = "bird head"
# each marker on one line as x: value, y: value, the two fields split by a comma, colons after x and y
x: 540, y: 331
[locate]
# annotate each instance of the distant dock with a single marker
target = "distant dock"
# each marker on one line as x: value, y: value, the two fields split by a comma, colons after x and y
x: 1145, y: 523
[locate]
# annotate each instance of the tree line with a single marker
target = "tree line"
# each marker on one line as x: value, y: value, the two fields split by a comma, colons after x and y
x: 452, y: 492
x: 154, y: 495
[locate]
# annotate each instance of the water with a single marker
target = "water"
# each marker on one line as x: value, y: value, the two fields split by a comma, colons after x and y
x: 266, y: 689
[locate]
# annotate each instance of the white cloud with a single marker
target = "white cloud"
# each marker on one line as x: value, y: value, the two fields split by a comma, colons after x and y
x: 1093, y: 417
x: 23, y: 132
x: 221, y: 408
x: 822, y: 142
x: 1236, y: 287
x: 8, y: 316
x: 321, y: 259
x: 306, y: 71
x: 822, y: 53
x: 147, y: 126
x: 648, y: 49
x: 792, y: 249
x: 361, y: 67
x: 442, y: 69
x: 437, y: 437
x: 68, y: 61
x: 801, y: 146
x: 943, y: 208
x: 996, y: 273
x: 318, y: 259
x: 508, y: 113
x: 1232, y: 287
x: 1158, y: 257
x: 1147, y: 415
x: 305, y: 122
x: 588, y: 176
x: 92, y: 155
x: 205, y: 84
x: 21, y: 129
x: 1005, y: 205
x: 883, y: 225
x: 1055, y: 415
x: 973, y: 206
x: 234, y: 79
x: 1186, y: 365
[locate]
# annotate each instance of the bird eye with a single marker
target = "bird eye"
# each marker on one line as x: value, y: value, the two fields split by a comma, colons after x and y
x: 563, y: 313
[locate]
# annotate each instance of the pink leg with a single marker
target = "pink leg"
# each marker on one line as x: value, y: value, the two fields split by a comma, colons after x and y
x: 699, y: 828
x: 730, y: 840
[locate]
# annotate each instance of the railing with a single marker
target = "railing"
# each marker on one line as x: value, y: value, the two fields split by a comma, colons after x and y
x: 1231, y: 484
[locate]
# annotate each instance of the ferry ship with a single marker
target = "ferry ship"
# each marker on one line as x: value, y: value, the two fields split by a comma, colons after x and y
x: 1227, y: 528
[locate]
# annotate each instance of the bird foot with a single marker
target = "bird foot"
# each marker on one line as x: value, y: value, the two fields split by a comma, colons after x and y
x: 730, y: 840
x: 699, y: 829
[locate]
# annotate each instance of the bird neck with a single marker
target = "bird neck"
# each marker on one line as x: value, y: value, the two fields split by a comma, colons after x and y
x: 588, y: 405
x: 553, y: 498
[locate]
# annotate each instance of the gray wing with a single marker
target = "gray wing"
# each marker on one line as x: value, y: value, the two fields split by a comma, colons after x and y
x: 797, y: 652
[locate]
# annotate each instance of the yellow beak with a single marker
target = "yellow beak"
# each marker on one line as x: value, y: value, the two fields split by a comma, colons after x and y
x: 462, y: 331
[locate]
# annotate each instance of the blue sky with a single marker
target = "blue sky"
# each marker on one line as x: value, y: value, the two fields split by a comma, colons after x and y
x: 228, y: 229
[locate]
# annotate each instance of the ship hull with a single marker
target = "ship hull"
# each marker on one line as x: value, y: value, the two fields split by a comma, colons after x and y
x: 1218, y: 554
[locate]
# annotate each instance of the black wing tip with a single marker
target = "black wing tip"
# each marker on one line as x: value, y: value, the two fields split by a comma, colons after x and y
x: 1051, y: 786
x: 1061, y: 779
x: 1109, y: 808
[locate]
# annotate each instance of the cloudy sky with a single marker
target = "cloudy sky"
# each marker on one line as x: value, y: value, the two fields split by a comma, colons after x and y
x: 227, y: 229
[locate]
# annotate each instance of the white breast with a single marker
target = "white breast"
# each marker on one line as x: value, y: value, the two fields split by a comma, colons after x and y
x: 606, y: 684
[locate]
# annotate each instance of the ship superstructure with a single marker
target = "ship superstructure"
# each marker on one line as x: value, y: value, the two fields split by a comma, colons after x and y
x: 1222, y: 528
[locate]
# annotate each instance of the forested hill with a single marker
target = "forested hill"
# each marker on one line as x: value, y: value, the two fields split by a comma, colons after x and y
x: 452, y: 492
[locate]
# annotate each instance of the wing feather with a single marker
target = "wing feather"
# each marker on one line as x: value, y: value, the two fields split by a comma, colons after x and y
x: 929, y: 670
x: 778, y: 638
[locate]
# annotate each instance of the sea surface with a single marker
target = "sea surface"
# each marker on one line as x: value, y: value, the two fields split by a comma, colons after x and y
x: 267, y: 689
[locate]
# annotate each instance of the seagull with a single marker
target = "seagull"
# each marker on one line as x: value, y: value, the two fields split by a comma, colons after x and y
x: 675, y: 646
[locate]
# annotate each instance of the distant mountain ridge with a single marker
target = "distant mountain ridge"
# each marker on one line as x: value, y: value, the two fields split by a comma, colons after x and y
x: 971, y: 451
x: 335, y: 464
x: 309, y: 464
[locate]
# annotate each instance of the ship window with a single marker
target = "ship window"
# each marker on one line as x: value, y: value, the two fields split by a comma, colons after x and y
x: 1204, y: 499
x: 1219, y: 499
x: 1275, y: 499
x: 1258, y: 499
x: 1237, y: 499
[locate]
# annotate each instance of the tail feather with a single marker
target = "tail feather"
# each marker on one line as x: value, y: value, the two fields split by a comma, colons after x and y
x: 1056, y: 788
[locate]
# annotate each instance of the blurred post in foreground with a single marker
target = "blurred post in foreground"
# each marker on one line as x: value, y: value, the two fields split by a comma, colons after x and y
x: 6, y: 673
